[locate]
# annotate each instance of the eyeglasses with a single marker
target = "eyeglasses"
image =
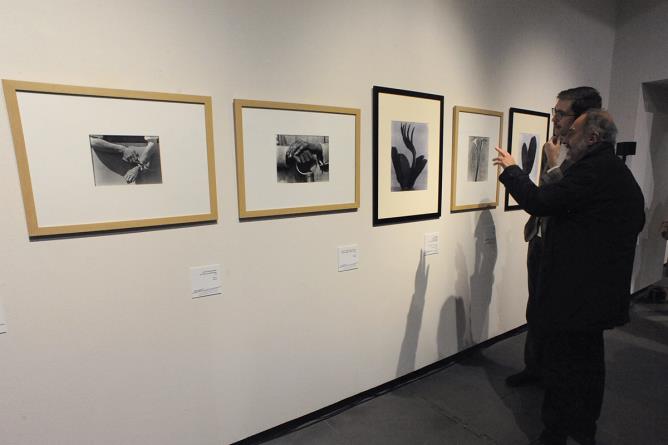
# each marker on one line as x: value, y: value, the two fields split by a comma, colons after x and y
x: 559, y: 114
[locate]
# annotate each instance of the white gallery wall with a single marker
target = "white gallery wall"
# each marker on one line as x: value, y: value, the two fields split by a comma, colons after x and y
x: 642, y: 115
x: 104, y: 343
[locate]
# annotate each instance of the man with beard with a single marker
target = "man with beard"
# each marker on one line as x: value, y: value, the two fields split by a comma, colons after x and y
x: 596, y: 212
x: 571, y: 103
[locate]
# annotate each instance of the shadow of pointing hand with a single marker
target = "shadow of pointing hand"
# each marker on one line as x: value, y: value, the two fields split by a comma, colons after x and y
x: 414, y: 319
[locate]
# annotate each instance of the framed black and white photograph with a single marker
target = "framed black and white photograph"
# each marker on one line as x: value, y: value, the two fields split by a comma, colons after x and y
x: 409, y: 174
x: 478, y: 164
x: 295, y: 158
x: 407, y: 156
x: 125, y: 160
x: 302, y: 158
x: 98, y: 159
x: 475, y: 183
x: 528, y: 131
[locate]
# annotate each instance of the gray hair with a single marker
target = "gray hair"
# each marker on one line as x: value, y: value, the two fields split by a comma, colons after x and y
x: 600, y: 122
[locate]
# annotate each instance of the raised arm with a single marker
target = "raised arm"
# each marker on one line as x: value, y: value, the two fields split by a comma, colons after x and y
x: 128, y: 155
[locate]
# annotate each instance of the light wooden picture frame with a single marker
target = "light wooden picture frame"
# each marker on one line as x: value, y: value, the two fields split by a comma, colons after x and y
x: 528, y: 130
x: 475, y: 182
x: 296, y: 158
x: 407, y: 155
x: 98, y: 159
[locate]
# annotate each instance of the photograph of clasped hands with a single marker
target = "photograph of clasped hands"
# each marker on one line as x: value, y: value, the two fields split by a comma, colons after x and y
x: 301, y: 158
x: 125, y: 159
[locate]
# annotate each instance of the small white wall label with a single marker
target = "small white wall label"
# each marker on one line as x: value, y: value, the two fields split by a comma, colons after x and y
x: 431, y: 243
x: 205, y: 281
x: 348, y: 257
x: 3, y: 320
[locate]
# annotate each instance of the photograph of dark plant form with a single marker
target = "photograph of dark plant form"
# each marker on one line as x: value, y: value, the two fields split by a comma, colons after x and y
x: 409, y: 156
x: 527, y: 132
x: 529, y: 144
x: 478, y: 158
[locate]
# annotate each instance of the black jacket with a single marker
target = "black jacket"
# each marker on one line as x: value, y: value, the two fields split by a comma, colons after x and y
x: 596, y: 212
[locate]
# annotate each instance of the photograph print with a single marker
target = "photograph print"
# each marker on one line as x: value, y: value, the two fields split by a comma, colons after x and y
x: 409, y: 156
x: 302, y: 158
x: 528, y: 160
x: 478, y: 159
x: 121, y: 159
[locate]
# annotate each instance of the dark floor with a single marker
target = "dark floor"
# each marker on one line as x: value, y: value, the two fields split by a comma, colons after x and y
x: 468, y: 403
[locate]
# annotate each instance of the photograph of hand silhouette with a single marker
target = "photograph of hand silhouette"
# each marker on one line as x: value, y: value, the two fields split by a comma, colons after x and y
x: 409, y: 139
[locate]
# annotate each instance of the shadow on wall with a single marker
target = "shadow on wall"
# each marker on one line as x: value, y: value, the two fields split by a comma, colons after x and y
x: 482, y: 279
x: 414, y: 320
x: 456, y: 306
x: 469, y: 307
x: 652, y: 247
x: 473, y: 292
x: 471, y: 304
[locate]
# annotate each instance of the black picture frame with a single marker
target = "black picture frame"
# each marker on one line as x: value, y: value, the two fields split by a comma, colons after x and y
x: 424, y: 113
x: 529, y: 120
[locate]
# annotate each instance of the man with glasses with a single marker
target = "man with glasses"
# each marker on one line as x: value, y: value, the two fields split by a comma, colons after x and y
x: 596, y: 212
x: 570, y: 104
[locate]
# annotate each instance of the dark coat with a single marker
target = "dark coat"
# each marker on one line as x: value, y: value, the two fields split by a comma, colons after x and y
x: 596, y: 212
